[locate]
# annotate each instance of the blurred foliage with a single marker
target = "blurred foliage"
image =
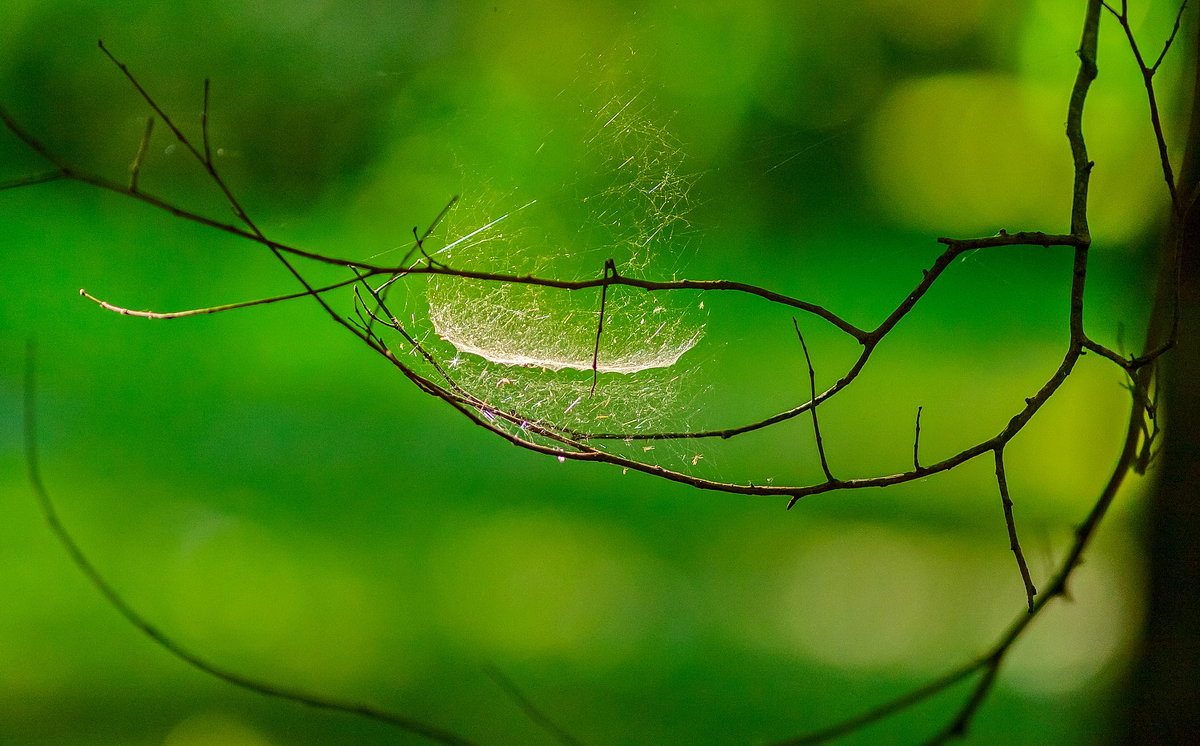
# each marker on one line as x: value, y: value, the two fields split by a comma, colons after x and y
x: 273, y: 496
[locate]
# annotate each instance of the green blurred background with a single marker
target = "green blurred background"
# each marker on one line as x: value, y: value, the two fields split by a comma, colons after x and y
x: 276, y: 498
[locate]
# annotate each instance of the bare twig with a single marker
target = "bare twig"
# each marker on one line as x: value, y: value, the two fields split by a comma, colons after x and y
x: 1170, y: 39
x: 1013, y: 543
x: 31, y: 180
x: 917, y: 443
x: 143, y: 148
x: 1148, y: 72
x: 207, y: 310
x: 812, y: 387
x: 884, y: 711
x: 204, y: 123
x: 610, y: 270
x: 532, y: 711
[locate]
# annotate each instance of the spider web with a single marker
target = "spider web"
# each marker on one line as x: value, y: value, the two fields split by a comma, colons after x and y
x: 531, y: 349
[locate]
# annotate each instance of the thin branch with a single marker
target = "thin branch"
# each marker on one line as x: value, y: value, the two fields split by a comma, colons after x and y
x: 1021, y: 238
x: 143, y: 148
x: 420, y: 244
x: 204, y: 122
x: 610, y: 270
x: 211, y: 309
x: 1013, y: 542
x: 532, y: 711
x: 160, y: 638
x: 1170, y: 39
x: 25, y: 181
x: 1148, y: 72
x: 917, y: 443
x: 812, y: 387
x: 884, y: 711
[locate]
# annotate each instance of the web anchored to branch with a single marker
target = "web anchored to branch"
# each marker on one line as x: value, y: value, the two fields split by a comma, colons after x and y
x: 587, y: 363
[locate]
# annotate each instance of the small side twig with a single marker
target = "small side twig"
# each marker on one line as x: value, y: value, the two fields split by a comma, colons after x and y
x: 34, y: 179
x: 1148, y: 72
x: 1010, y: 522
x: 209, y: 309
x: 610, y: 271
x: 204, y: 123
x: 532, y: 711
x: 139, y: 158
x: 812, y: 388
x: 917, y: 443
x: 1170, y: 39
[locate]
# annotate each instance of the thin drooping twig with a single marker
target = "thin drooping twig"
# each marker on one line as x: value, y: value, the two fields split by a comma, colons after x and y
x: 531, y: 710
x: 1013, y: 542
x: 610, y: 270
x: 25, y: 181
x: 162, y: 639
x: 812, y: 387
x: 210, y: 309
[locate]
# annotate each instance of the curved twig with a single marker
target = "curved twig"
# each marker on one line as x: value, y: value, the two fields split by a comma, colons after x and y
x: 162, y: 639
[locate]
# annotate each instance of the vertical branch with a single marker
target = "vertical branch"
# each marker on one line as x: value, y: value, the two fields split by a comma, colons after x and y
x: 917, y: 443
x: 135, y: 168
x: 204, y: 123
x: 610, y: 271
x: 812, y: 388
x: 1014, y: 544
x: 1079, y: 154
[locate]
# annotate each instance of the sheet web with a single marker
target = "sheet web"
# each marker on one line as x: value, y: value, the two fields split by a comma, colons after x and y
x: 530, y: 350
